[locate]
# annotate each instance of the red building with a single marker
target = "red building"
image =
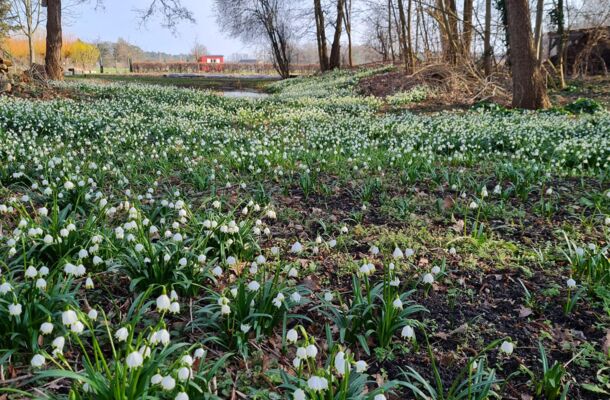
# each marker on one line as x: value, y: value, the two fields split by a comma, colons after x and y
x: 212, y: 59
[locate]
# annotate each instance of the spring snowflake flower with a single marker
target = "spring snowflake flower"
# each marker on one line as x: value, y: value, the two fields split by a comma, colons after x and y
x: 174, y: 308
x: 89, y: 283
x: 328, y: 296
x: 182, y: 396
x: 571, y: 283
x: 68, y: 185
x: 163, y: 303
x: 199, y: 353
x: 340, y: 363
x: 428, y: 279
x: 379, y: 397
x: 409, y: 252
x: 31, y: 272
x: 5, y: 288
x: 473, y: 205
x: 121, y: 334
x: 296, y: 297
x: 292, y: 336
x: 293, y: 273
x: 407, y: 332
x: 156, y: 379
x: 253, y: 286
x: 134, y: 360
x: 41, y: 283
x: 296, y: 248
x: 312, y: 351
x: 69, y: 317
x: 245, y: 328
x: 436, y: 270
x: 278, y: 300
x: 37, y: 361
x: 301, y: 353
x: 184, y: 374
x: 92, y: 314
x: 299, y: 394
x: 46, y: 328
x: 217, y: 271
x: 77, y: 327
x: 168, y: 383
x: 186, y: 359
x: 317, y: 383
x: 397, y: 254
x: 367, y: 269
x: 397, y: 304
x: 361, y: 366
x: 231, y: 260
x: 507, y: 347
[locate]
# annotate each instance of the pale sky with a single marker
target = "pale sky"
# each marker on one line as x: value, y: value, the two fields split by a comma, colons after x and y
x: 118, y: 18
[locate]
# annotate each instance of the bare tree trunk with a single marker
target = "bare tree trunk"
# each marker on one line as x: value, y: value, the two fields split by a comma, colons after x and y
x: 348, y: 29
x: 561, y: 36
x: 538, y: 30
x: 409, y: 42
x: 487, y: 39
x: 54, y: 41
x: 335, y: 51
x: 467, y: 28
x: 391, y: 40
x: 321, y: 36
x: 404, y: 45
x: 529, y: 90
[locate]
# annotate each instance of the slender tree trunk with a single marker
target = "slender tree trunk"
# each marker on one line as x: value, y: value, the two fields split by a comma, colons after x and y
x: 538, y: 30
x: 409, y: 42
x: 529, y: 90
x: 54, y: 41
x: 467, y: 28
x: 335, y: 51
x: 404, y: 45
x: 561, y: 37
x: 391, y: 40
x: 487, y: 39
x: 348, y: 30
x: 321, y: 36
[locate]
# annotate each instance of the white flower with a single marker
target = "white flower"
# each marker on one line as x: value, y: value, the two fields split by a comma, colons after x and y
x: 317, y: 383
x: 361, y: 366
x: 278, y: 300
x: 5, y: 288
x: 292, y: 336
x: 407, y: 332
x: 182, y: 396
x: 253, y: 286
x: 163, y: 303
x: 296, y: 297
x: 121, y: 334
x: 328, y: 296
x: 199, y: 353
x: 156, y: 379
x: 134, y: 360
x: 340, y: 363
x: 296, y: 362
x: 299, y: 394
x: 374, y: 250
x: 89, y: 283
x: 549, y: 191
x: 31, y: 272
x: 77, y: 327
x: 58, y: 343
x: 397, y: 254
x: 41, y: 283
x: 92, y: 314
x: 312, y: 351
x: 436, y: 270
x: 473, y: 205
x: 225, y: 309
x: 68, y: 317
x: 38, y: 361
x: 296, y: 248
x: 293, y: 273
x: 68, y: 185
x: 46, y: 328
x: 168, y: 383
x: 507, y: 347
x: 379, y: 397
x: 174, y: 308
x: 397, y: 303
x: 245, y: 328
x: 301, y: 352
x: 217, y: 271
x: 184, y: 373
x: 428, y: 279
x: 231, y: 260
x: 571, y: 283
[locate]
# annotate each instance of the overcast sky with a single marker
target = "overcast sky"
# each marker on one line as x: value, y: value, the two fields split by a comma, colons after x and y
x: 118, y: 18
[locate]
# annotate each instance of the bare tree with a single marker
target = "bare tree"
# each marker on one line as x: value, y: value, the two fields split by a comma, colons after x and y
x: 529, y: 90
x: 335, y: 50
x: 321, y: 35
x: 487, y: 51
x: 54, y: 40
x: 198, y: 50
x: 27, y: 16
x: 250, y: 20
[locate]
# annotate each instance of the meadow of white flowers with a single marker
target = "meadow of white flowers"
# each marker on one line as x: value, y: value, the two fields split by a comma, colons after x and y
x: 146, y: 252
